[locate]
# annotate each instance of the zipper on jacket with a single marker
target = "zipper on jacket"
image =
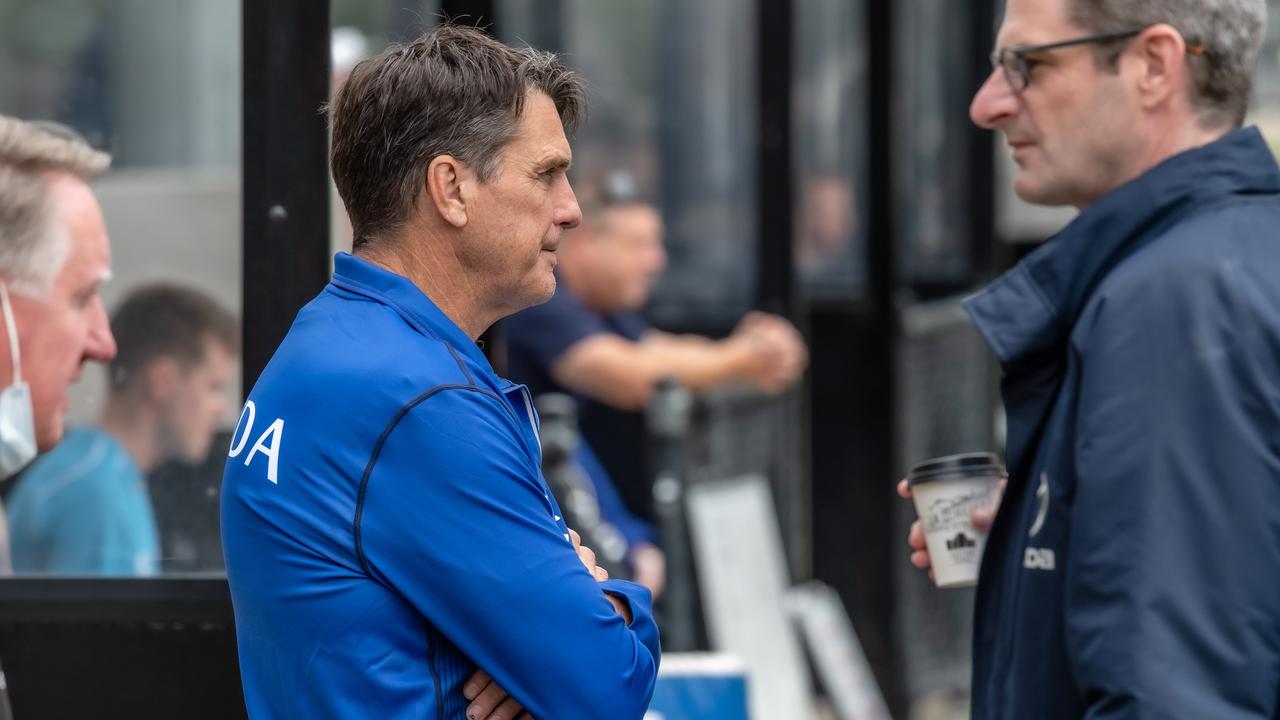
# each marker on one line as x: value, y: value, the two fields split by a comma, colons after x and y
x: 530, y: 415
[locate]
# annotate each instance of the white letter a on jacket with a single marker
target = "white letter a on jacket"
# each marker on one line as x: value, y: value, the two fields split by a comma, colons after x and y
x: 272, y: 450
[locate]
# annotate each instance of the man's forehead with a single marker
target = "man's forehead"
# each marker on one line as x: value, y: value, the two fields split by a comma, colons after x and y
x: 79, y: 216
x: 1034, y: 22
x: 553, y: 154
x: 541, y: 130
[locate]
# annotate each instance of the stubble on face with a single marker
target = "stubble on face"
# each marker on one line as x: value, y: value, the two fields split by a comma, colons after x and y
x: 1071, y: 129
x: 1083, y: 153
x: 522, y: 213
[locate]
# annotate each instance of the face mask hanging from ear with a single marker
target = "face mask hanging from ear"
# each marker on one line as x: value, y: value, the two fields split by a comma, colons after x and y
x: 17, y: 419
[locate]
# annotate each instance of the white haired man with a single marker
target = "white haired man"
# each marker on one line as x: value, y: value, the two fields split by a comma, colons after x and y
x: 54, y: 255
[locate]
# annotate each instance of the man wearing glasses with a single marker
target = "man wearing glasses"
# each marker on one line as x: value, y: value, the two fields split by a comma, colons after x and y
x: 1133, y: 569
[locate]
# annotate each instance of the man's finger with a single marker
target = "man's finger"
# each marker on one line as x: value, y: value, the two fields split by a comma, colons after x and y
x: 576, y: 538
x: 920, y: 559
x: 904, y: 488
x: 486, y: 702
x: 915, y: 538
x: 983, y: 517
x: 587, y: 556
x: 508, y: 710
x: 601, y: 574
x: 475, y: 684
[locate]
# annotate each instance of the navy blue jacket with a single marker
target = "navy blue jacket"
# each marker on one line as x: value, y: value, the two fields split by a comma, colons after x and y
x: 1134, y: 567
x: 387, y: 529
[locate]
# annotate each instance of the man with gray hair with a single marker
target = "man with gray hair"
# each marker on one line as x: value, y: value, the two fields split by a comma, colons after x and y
x: 386, y: 527
x: 1132, y: 567
x: 54, y: 255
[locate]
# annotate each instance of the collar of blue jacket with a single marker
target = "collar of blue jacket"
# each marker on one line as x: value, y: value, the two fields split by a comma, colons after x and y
x: 1033, y: 307
x: 360, y: 276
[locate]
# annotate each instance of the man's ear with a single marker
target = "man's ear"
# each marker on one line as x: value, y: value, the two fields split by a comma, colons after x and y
x: 161, y: 378
x: 448, y: 187
x: 1162, y: 57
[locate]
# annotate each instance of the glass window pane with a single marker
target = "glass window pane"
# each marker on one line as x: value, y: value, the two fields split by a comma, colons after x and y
x: 830, y: 139
x: 672, y: 106
x: 932, y: 207
x: 360, y: 29
x: 158, y: 86
x: 1265, y: 110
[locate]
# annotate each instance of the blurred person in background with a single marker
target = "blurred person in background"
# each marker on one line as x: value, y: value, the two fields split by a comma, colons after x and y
x: 83, y: 508
x: 385, y: 524
x: 826, y: 223
x: 590, y: 339
x: 54, y: 256
x: 1132, y: 567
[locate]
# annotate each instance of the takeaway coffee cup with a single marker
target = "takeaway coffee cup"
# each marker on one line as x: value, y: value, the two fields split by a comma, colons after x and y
x: 946, y: 491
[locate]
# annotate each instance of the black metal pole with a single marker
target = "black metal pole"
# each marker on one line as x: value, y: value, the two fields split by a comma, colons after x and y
x: 669, y: 415
x: 874, y: 603
x: 774, y: 197
x: 285, y: 190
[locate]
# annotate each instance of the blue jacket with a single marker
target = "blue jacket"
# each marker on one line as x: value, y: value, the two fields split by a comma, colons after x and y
x: 1134, y: 567
x: 387, y: 530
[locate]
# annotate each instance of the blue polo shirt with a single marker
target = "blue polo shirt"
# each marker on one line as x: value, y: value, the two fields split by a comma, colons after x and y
x: 387, y: 529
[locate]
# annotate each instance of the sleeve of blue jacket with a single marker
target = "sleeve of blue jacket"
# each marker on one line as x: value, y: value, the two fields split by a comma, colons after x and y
x: 456, y: 520
x: 1173, y: 597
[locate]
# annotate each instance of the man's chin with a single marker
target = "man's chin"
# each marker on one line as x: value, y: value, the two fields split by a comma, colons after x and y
x: 50, y: 434
x: 543, y: 297
x: 539, y: 295
x: 1033, y: 190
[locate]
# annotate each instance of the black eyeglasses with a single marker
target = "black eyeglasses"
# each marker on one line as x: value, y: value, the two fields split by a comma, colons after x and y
x: 1013, y: 61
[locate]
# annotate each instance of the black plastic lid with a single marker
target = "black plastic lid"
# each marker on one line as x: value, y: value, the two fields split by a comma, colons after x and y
x: 955, y: 467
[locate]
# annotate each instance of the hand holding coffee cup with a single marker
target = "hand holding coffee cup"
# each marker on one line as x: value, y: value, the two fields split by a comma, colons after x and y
x: 956, y: 498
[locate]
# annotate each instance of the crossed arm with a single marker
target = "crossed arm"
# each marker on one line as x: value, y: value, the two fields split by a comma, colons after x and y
x: 456, y: 520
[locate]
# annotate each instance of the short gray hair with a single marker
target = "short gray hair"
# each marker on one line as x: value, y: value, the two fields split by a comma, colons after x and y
x: 32, y: 246
x: 453, y: 91
x: 1230, y: 31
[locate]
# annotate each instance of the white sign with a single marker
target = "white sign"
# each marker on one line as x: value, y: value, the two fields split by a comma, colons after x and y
x: 837, y: 654
x: 743, y: 578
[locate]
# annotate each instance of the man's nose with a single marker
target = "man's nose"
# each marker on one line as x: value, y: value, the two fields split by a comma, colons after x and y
x: 994, y: 102
x: 101, y: 344
x: 567, y: 213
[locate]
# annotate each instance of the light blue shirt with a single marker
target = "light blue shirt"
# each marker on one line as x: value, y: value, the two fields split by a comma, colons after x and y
x: 83, y: 509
